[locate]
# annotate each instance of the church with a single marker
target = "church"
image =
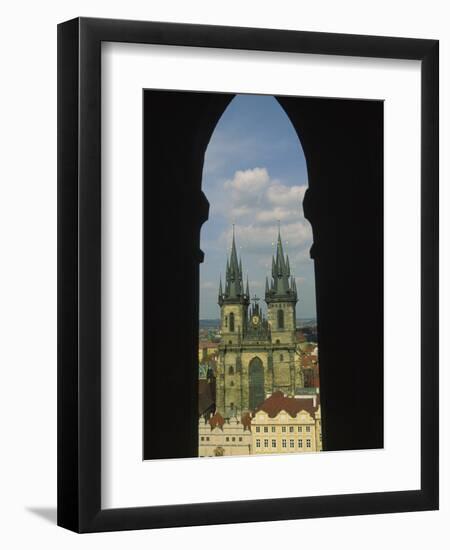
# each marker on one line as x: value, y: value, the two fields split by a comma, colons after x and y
x: 257, y: 354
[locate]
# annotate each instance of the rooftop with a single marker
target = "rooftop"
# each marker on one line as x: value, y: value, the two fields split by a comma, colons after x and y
x: 278, y: 402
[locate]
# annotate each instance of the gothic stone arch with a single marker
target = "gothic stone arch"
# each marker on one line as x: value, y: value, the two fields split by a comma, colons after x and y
x: 256, y: 392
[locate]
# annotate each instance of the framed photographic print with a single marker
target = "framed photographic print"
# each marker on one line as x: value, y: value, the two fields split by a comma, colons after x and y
x: 248, y: 268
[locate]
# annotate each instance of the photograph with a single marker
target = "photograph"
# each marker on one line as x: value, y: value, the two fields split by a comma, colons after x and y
x: 259, y: 389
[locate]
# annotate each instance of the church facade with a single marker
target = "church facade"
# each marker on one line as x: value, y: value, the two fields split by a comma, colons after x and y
x: 257, y: 354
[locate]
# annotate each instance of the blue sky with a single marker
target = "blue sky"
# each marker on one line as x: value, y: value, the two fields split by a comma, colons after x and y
x: 254, y: 175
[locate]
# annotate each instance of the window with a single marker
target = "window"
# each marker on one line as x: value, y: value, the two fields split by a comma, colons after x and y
x: 230, y: 342
x: 283, y: 429
x: 227, y: 439
x: 281, y: 357
x: 300, y: 443
x: 207, y: 439
x: 202, y: 439
x: 300, y: 429
x: 308, y: 378
x: 274, y: 443
x: 226, y: 320
x: 231, y: 405
x: 308, y: 443
x: 231, y: 384
x: 231, y: 322
x: 266, y: 429
x: 258, y: 443
x: 277, y: 341
x: 291, y: 443
x: 266, y: 443
x: 258, y: 428
x: 291, y: 428
x: 273, y: 428
x: 230, y: 370
x: 283, y: 443
x: 233, y: 439
x: 240, y: 439
x: 308, y: 428
x: 280, y: 318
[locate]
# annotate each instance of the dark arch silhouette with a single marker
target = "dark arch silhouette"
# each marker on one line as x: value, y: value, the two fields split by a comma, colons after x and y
x: 256, y: 382
x: 344, y: 204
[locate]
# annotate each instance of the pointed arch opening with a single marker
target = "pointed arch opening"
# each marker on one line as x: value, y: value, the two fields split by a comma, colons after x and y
x: 280, y: 319
x: 256, y: 245
x: 256, y: 383
x: 231, y: 322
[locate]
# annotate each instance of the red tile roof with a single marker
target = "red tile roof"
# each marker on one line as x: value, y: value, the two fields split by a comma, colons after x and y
x: 217, y: 420
x: 279, y: 402
x: 205, y: 397
x: 247, y: 421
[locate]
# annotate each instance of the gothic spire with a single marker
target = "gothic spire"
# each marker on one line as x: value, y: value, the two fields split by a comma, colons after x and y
x: 280, y: 262
x: 220, y: 291
x: 282, y: 287
x: 234, y: 285
x: 234, y: 265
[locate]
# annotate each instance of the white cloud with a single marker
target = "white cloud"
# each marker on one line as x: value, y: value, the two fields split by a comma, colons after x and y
x: 253, y: 238
x: 248, y: 182
x: 256, y: 203
x: 280, y: 194
x: 278, y: 213
x: 258, y: 198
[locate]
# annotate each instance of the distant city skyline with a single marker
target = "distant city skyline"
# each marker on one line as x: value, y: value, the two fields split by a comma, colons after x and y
x: 255, y: 178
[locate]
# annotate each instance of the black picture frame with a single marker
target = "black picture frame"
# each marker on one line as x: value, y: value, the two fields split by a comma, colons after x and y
x: 79, y: 274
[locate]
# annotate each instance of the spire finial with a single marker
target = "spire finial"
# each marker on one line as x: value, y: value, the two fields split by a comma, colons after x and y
x: 234, y: 274
x: 220, y: 302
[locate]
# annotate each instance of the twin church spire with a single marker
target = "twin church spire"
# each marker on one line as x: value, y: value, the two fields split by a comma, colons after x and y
x: 282, y: 286
x: 234, y: 286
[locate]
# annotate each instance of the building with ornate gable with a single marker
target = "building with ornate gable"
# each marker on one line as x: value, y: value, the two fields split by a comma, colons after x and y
x: 284, y: 424
x: 218, y: 436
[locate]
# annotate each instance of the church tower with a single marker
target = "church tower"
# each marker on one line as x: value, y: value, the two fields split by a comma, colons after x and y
x: 257, y: 355
x: 281, y: 298
x: 234, y: 301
